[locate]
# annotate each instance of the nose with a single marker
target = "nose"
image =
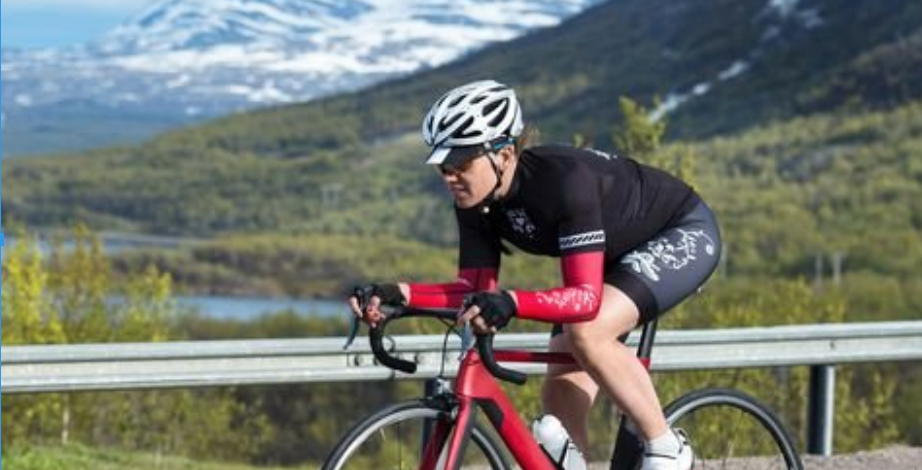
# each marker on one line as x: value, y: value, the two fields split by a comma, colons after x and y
x: 448, y: 176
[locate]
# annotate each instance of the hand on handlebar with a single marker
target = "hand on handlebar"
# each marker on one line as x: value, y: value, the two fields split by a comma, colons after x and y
x: 475, y: 311
x: 366, y: 301
x: 488, y: 312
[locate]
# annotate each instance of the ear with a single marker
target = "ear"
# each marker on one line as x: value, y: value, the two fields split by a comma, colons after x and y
x: 508, y: 154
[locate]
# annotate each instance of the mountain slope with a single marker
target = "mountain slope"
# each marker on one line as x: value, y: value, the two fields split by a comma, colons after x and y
x: 722, y: 64
x: 346, y: 164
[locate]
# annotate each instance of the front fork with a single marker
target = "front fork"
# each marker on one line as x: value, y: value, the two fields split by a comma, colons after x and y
x: 445, y: 440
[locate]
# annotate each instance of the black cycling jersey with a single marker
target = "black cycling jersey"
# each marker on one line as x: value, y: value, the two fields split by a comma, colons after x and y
x: 566, y: 200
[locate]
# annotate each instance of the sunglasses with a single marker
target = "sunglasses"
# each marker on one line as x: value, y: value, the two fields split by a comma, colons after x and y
x: 449, y: 169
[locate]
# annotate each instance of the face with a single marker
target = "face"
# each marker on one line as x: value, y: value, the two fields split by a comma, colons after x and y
x: 471, y: 182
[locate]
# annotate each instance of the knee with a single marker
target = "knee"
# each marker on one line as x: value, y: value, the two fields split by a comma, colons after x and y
x: 583, y: 337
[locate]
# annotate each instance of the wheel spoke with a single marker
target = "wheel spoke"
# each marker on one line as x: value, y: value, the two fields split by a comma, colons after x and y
x: 393, y: 440
x: 730, y: 430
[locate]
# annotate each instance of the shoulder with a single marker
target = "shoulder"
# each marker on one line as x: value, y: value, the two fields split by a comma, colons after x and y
x: 562, y: 150
x: 562, y: 159
x: 567, y: 169
x: 556, y: 151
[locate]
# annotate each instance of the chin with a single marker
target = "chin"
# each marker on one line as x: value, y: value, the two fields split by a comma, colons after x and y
x: 465, y: 202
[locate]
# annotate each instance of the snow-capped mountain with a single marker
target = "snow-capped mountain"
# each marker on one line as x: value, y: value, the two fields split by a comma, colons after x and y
x: 207, y: 57
x: 316, y: 36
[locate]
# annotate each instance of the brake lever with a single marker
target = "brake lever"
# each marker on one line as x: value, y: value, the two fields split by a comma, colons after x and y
x: 356, y: 324
x: 467, y: 339
x: 362, y: 295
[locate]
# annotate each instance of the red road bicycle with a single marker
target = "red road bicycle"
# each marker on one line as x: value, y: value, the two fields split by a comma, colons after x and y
x: 728, y: 428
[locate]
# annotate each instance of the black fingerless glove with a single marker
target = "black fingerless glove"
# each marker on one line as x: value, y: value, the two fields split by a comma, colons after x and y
x: 388, y: 293
x: 496, y: 308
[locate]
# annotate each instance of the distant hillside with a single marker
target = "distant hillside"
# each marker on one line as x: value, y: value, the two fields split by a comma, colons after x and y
x: 883, y: 76
x: 349, y: 165
x: 724, y: 64
x: 786, y: 194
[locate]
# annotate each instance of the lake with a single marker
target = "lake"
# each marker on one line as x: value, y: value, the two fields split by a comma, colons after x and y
x: 222, y: 307
x: 248, y: 308
x: 112, y: 242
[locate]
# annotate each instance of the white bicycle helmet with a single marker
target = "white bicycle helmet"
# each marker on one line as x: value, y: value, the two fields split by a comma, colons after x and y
x: 470, y: 116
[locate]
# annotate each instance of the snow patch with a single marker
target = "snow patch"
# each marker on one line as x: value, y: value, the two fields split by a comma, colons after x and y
x: 207, y: 57
x: 701, y: 89
x: 23, y: 100
x: 811, y: 18
x: 268, y: 93
x: 127, y: 98
x: 738, y: 68
x: 783, y: 7
x: 179, y: 81
x: 49, y: 87
x: 674, y: 101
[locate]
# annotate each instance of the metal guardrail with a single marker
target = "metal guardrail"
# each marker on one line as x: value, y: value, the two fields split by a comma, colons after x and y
x: 69, y: 368
x: 63, y: 368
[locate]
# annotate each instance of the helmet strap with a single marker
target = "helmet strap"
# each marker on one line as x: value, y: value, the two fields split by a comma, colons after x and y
x: 491, y: 198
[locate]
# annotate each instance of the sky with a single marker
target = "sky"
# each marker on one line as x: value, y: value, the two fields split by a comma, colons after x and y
x: 55, y: 23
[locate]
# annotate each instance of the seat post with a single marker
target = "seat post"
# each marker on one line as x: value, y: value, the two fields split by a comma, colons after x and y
x: 628, y: 450
x: 645, y: 347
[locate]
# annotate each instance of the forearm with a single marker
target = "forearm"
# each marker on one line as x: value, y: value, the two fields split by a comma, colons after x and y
x: 578, y: 300
x: 451, y: 295
x: 561, y: 305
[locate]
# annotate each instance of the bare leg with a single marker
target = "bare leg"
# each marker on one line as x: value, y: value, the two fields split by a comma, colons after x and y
x: 568, y: 393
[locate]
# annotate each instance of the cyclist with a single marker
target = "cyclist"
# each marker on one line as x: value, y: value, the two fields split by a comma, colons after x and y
x: 632, y: 241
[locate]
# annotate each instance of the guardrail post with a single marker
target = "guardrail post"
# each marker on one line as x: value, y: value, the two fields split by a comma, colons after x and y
x: 821, y: 410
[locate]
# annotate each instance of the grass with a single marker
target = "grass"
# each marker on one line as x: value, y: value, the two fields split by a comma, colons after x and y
x: 84, y: 458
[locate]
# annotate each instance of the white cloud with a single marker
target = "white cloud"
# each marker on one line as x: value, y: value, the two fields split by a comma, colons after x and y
x: 116, y: 5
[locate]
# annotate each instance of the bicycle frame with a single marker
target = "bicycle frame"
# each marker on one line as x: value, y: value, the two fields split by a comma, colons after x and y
x: 449, y: 411
x: 477, y: 387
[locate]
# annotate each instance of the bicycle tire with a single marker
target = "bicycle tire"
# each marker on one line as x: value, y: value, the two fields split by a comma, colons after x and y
x: 730, y: 429
x: 402, y: 426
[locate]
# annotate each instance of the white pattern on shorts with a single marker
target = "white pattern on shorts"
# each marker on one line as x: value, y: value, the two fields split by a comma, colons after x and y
x: 662, y: 254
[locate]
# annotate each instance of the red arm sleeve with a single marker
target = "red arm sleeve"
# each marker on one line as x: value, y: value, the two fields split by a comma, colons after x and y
x: 578, y: 300
x: 451, y: 295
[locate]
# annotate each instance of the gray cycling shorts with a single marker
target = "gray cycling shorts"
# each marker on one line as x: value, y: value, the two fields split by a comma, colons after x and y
x: 668, y: 268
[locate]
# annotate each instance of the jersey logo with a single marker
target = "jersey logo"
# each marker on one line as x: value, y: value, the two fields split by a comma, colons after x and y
x: 599, y: 153
x: 520, y: 222
x: 582, y: 239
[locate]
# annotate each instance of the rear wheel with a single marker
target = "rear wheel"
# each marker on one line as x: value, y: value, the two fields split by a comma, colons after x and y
x: 731, y: 430
x: 392, y: 439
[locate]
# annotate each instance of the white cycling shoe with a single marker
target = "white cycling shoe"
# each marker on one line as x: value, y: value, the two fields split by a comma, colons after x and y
x: 683, y: 460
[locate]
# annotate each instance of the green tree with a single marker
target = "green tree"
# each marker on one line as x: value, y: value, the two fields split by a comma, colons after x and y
x: 639, y: 136
x: 28, y: 319
x: 69, y: 295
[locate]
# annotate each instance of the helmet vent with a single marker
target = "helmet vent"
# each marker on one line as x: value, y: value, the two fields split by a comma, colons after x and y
x: 473, y: 114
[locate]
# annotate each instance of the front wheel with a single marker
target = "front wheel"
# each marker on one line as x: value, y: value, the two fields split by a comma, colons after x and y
x: 393, y: 439
x: 729, y: 429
